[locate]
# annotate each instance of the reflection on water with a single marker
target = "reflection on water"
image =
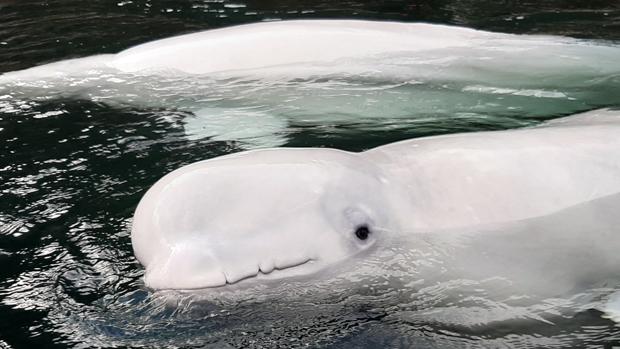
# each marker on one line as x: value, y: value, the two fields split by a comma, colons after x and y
x: 74, y: 164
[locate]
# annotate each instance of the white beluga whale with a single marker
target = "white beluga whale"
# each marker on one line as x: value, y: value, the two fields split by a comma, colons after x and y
x: 288, y: 46
x: 277, y: 213
x: 252, y: 83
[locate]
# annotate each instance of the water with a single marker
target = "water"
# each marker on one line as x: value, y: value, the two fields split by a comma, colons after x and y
x: 74, y: 166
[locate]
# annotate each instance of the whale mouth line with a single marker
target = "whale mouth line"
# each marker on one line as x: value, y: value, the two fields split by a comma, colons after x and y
x: 260, y: 272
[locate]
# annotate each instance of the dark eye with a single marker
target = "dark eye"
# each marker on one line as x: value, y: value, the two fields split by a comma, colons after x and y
x: 362, y: 232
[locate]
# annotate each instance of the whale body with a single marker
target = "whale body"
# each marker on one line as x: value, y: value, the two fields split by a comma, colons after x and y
x: 341, y: 43
x: 275, y: 213
x: 272, y: 44
x: 249, y: 84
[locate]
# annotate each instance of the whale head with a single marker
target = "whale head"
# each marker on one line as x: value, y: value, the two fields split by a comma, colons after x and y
x: 261, y: 214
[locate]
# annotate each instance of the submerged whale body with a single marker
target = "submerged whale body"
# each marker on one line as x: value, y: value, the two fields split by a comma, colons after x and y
x: 251, y: 83
x: 275, y: 213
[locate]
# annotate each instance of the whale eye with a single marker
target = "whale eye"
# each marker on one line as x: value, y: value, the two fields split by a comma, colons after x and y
x: 362, y: 232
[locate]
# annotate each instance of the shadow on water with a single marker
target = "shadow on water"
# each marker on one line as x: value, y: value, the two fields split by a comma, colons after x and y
x: 72, y: 171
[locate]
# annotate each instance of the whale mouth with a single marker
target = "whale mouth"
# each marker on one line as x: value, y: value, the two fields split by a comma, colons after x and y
x: 304, y: 267
x: 184, y: 269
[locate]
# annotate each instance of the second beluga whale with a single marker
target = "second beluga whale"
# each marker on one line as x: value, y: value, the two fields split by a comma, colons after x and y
x: 253, y: 83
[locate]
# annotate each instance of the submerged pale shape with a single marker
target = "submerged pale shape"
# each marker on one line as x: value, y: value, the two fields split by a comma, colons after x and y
x: 280, y: 212
x: 260, y: 80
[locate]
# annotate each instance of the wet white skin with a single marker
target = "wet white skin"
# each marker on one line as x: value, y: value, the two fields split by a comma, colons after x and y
x: 341, y: 46
x: 250, y: 83
x: 283, y: 212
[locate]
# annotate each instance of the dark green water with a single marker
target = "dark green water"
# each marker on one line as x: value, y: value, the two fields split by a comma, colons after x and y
x: 73, y: 169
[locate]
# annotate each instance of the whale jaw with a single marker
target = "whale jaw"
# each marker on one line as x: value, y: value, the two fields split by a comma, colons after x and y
x: 184, y: 271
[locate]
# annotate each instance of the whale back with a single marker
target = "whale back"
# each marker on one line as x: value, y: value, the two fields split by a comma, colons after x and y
x: 479, y: 178
x: 291, y: 42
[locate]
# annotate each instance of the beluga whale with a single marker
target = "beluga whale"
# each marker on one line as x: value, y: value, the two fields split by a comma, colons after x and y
x: 545, y: 195
x: 250, y: 84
